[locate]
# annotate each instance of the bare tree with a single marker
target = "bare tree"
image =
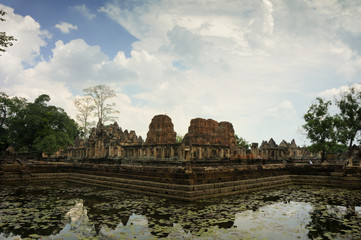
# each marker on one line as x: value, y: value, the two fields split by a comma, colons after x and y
x: 100, y: 94
x: 85, y: 107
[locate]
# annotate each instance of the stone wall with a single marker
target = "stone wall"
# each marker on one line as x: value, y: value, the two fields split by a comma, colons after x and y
x: 182, y: 180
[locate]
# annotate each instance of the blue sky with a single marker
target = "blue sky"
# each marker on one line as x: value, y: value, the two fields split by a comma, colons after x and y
x: 256, y: 64
x: 91, y: 25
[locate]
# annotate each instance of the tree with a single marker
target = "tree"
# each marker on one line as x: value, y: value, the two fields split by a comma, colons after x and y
x: 5, y: 40
x: 350, y: 115
x: 85, y: 109
x: 242, y: 143
x: 100, y: 94
x: 321, y: 128
x: 8, y: 110
x: 42, y: 128
x: 178, y: 138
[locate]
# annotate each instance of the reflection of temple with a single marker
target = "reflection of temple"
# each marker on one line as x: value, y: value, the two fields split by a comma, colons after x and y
x: 206, y: 139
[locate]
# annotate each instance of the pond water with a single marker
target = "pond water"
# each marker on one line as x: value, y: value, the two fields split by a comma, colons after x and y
x: 74, y: 211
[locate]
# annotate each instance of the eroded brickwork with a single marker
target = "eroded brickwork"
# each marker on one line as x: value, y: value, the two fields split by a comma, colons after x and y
x: 210, y: 132
x: 161, y: 131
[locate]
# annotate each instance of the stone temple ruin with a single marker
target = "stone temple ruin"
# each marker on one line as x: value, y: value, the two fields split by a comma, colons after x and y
x: 205, y: 139
x: 207, y: 163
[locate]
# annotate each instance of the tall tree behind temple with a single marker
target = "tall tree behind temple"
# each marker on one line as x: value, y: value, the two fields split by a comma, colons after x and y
x: 100, y: 94
x: 85, y: 106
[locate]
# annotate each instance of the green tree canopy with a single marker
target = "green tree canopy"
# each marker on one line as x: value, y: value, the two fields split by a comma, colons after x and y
x: 179, y: 138
x: 42, y: 128
x: 242, y: 143
x: 8, y: 109
x: 349, y: 105
x: 322, y: 128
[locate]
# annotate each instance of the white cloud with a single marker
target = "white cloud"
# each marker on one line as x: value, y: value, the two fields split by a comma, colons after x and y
x: 330, y: 94
x: 281, y: 109
x: 83, y: 9
x: 257, y: 64
x: 30, y: 38
x: 239, y: 59
x: 66, y: 27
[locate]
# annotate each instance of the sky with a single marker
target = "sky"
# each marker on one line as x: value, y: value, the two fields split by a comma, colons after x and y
x: 258, y: 64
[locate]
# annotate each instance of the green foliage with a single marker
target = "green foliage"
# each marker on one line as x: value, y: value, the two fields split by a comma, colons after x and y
x: 242, y: 143
x: 350, y: 115
x: 8, y: 109
x: 337, y: 133
x: 179, y: 138
x: 47, y: 144
x: 37, y: 126
x: 5, y: 41
x: 322, y: 128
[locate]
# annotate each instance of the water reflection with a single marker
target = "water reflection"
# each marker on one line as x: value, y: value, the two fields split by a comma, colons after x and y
x: 63, y: 211
x: 276, y: 221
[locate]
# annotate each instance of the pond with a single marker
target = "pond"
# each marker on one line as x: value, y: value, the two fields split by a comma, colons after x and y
x: 74, y: 211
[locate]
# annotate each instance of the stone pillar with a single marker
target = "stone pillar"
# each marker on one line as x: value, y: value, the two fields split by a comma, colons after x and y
x: 254, y: 150
x: 155, y: 152
x: 200, y: 153
x: 171, y: 151
x: 187, y: 157
x: 119, y: 151
x: 162, y: 152
x: 180, y: 153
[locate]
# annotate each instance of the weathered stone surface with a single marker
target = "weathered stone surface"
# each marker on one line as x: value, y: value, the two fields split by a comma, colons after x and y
x: 272, y: 143
x: 106, y: 141
x: 113, y: 133
x: 293, y: 144
x: 10, y: 151
x: 161, y: 131
x: 210, y: 132
x: 284, y: 144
